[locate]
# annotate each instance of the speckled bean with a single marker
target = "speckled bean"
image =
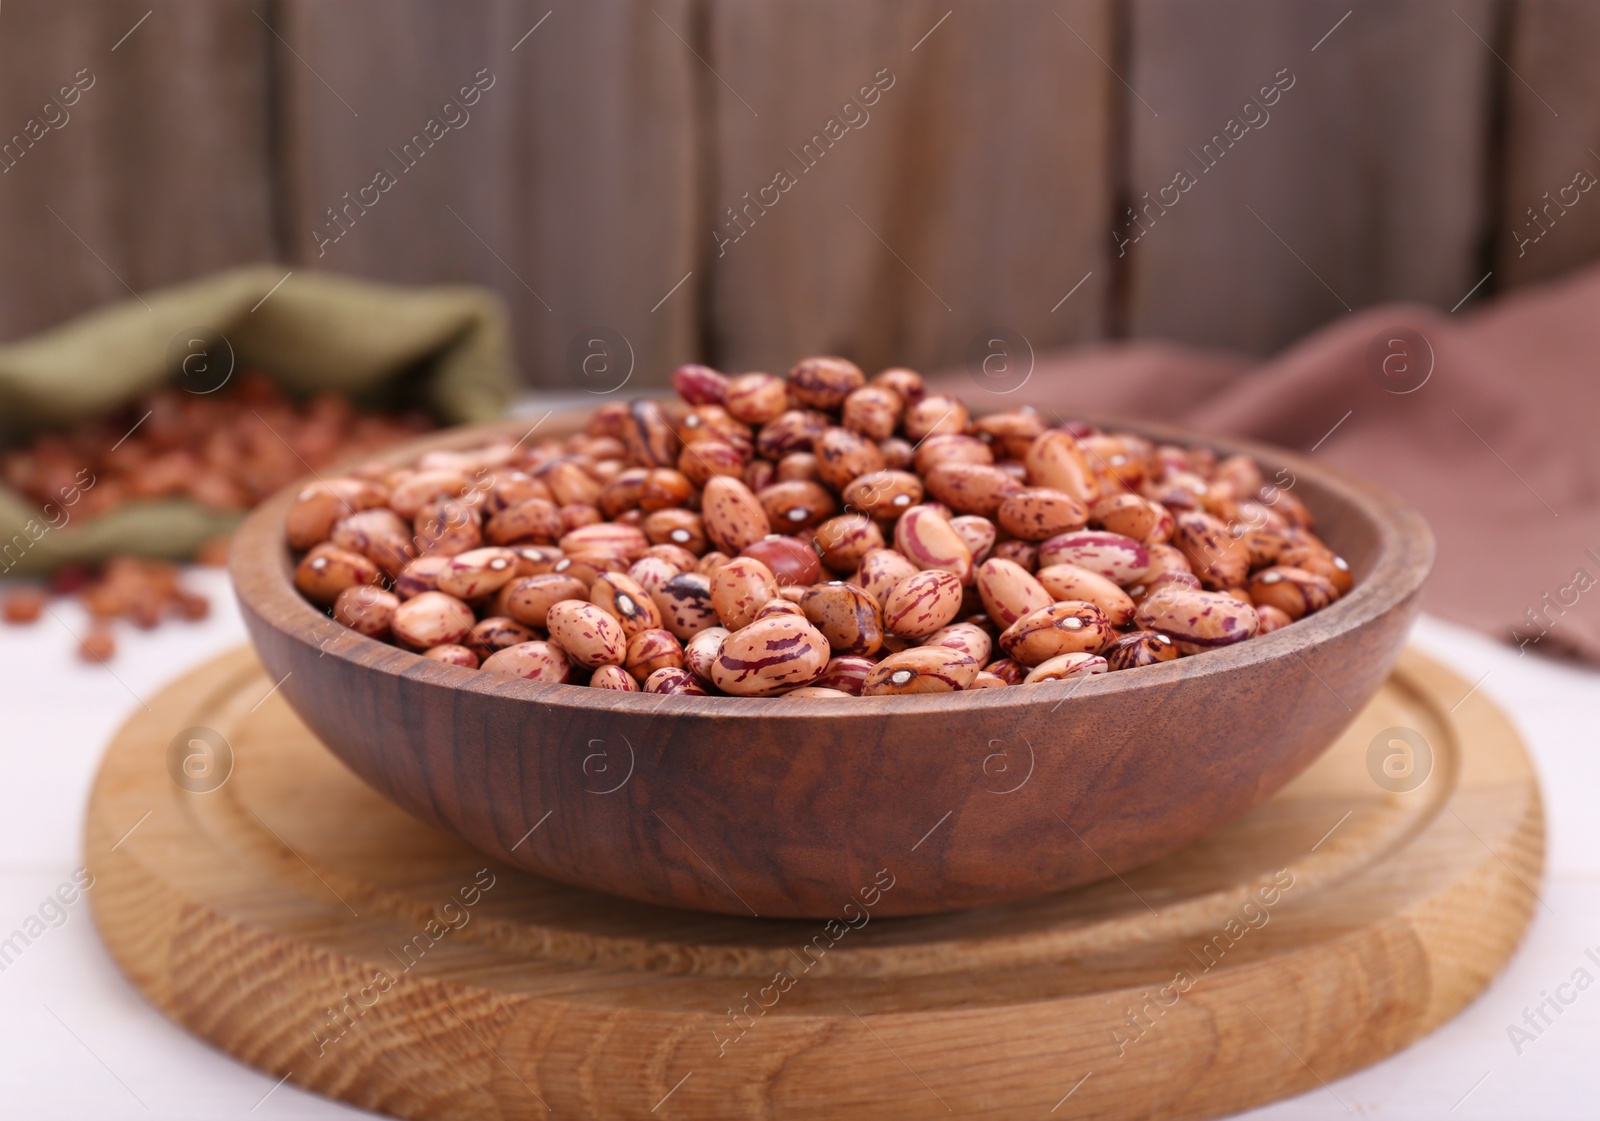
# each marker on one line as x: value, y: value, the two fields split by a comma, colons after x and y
x: 770, y: 656
x: 1197, y: 620
x: 924, y: 669
x: 1068, y: 627
x: 1009, y: 591
x: 532, y: 661
x: 431, y: 619
x: 588, y: 635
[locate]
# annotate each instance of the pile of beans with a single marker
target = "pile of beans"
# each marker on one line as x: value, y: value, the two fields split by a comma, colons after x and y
x: 815, y: 536
x: 225, y: 450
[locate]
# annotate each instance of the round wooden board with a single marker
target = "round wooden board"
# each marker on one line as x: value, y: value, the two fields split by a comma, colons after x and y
x: 300, y: 922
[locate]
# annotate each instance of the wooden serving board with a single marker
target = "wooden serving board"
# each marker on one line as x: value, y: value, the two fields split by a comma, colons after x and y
x: 300, y: 922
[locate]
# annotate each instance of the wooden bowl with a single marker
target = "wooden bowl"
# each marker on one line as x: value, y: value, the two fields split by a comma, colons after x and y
x: 805, y: 808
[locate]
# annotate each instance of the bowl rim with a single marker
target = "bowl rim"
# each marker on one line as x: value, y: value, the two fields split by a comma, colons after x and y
x: 261, y: 571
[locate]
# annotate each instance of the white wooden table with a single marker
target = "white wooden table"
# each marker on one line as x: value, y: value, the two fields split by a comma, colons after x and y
x: 77, y: 1041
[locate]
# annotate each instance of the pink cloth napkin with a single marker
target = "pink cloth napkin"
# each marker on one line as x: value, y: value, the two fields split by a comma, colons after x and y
x: 1486, y: 421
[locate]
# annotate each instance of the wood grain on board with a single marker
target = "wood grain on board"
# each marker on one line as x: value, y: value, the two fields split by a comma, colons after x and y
x: 289, y: 915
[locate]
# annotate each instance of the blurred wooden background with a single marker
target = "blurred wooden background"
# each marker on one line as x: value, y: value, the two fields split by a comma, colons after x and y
x: 991, y: 179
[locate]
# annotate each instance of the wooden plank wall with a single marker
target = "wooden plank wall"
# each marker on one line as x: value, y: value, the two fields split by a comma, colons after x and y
x: 933, y: 172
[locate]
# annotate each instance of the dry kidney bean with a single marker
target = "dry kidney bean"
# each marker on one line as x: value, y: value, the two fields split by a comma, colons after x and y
x: 842, y: 456
x: 685, y: 605
x: 906, y: 383
x: 491, y: 635
x: 1197, y: 620
x: 328, y: 570
x: 651, y: 650
x: 590, y: 636
x: 926, y: 538
x: 1008, y: 670
x: 756, y: 398
x: 701, y: 651
x: 1294, y: 591
x: 1067, y: 627
x: 770, y: 656
x: 380, y: 535
x: 883, y: 494
x: 613, y: 677
x: 733, y: 516
x: 1068, y: 581
x: 873, y: 411
x: 529, y: 600
x: 1066, y: 666
x: 477, y: 572
x: 844, y: 540
x: 969, y: 638
x: 533, y: 661
x: 924, y: 669
x: 421, y: 575
x: 792, y: 561
x: 1271, y: 618
x: 311, y: 518
x: 739, y: 589
x: 366, y: 609
x: 650, y: 572
x: 881, y: 570
x: 978, y: 534
x: 1133, y: 516
x: 670, y: 680
x: 935, y: 414
x: 847, y: 616
x: 824, y: 383
x: 452, y: 654
x: 1141, y: 648
x: 1215, y: 555
x: 971, y: 488
x: 948, y: 448
x: 921, y: 604
x: 1018, y: 552
x: 623, y: 598
x: 431, y: 619
x: 1119, y: 559
x: 1039, y: 513
x: 1009, y: 591
x: 795, y: 506
x: 817, y: 536
x: 535, y: 521
x: 1056, y: 461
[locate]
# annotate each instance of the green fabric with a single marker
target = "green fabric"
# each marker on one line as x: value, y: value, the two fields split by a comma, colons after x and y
x: 315, y: 331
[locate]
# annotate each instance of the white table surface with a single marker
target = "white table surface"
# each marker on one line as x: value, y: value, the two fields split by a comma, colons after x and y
x: 76, y: 1040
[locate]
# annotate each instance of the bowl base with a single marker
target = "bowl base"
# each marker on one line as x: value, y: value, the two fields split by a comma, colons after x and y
x: 276, y: 906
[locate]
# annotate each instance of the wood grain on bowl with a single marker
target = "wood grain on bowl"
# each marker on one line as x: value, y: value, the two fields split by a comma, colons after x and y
x: 784, y: 807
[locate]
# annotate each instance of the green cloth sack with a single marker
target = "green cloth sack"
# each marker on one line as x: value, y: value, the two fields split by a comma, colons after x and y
x: 313, y: 331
